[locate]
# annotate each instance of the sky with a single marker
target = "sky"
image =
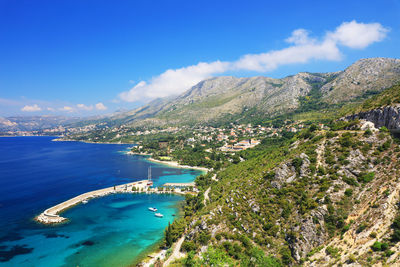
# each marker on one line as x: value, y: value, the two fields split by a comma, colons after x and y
x: 81, y: 58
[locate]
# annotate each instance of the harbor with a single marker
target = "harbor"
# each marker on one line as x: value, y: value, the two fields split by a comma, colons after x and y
x: 52, y: 215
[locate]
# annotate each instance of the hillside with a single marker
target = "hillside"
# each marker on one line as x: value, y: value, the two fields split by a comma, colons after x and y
x: 222, y: 99
x: 324, y: 197
x: 34, y: 123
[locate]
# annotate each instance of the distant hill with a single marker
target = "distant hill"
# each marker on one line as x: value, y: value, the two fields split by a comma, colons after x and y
x: 34, y: 123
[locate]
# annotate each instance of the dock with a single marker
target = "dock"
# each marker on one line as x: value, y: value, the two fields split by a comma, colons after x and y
x: 52, y: 215
x: 179, y: 184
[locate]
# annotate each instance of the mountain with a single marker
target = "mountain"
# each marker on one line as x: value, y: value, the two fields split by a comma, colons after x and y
x: 33, y: 123
x: 219, y: 98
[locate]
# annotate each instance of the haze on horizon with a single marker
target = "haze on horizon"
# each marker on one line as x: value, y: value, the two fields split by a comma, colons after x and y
x: 79, y: 59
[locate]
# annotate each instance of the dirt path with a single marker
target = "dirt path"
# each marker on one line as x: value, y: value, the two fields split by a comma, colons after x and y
x: 176, y: 253
x: 320, y: 152
x: 206, y: 197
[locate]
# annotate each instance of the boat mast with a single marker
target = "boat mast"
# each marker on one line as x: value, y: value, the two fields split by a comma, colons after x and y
x: 149, y: 174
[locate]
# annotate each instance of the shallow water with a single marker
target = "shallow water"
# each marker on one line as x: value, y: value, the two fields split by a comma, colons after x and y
x: 36, y: 173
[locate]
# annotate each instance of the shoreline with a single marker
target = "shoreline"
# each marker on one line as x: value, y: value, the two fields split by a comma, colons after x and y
x: 158, y: 252
x: 177, y: 165
x: 90, y: 142
x: 51, y: 215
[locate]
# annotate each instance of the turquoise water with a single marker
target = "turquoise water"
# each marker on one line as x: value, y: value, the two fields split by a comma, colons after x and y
x: 115, y: 230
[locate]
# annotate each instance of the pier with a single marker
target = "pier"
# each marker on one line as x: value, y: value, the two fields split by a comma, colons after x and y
x: 52, y: 215
x: 192, y: 184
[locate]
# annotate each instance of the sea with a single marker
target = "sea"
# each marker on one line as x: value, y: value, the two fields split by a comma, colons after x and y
x: 116, y: 230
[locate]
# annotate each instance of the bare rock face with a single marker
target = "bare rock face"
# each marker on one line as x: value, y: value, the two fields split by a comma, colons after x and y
x: 286, y: 172
x: 308, y: 234
x: 388, y: 116
x: 372, y: 74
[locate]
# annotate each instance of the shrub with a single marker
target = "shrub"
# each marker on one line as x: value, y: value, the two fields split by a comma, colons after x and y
x: 349, y: 181
x: 215, y: 257
x: 379, y: 246
x: 204, y: 238
x: 334, y: 252
x: 313, y: 128
x: 189, y: 246
x: 383, y: 129
x: 297, y: 162
x: 396, y: 227
x: 366, y: 177
x: 348, y: 192
x: 368, y: 133
x: 361, y: 228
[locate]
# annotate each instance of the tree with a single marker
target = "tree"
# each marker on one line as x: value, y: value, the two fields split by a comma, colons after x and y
x: 168, y: 236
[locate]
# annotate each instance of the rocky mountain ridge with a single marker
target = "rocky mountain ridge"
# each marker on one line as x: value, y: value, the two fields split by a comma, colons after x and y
x: 216, y: 98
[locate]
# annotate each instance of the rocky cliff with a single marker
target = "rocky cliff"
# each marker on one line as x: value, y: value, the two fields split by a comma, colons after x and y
x: 388, y: 116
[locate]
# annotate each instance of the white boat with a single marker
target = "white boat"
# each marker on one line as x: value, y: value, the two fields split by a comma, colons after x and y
x: 85, y: 201
x: 159, y: 215
x: 152, y: 209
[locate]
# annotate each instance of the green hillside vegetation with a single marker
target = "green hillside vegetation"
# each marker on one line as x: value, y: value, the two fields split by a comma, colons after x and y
x: 271, y: 228
x: 258, y: 208
x: 386, y: 98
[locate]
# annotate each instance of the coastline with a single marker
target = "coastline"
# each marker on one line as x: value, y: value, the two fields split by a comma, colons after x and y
x: 162, y: 253
x: 90, y: 142
x: 177, y: 165
x: 154, y: 252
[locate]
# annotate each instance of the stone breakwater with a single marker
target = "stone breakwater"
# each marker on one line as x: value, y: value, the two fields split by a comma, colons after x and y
x: 388, y: 116
x: 51, y: 215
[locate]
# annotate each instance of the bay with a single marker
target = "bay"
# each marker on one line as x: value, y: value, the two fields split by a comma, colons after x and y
x: 117, y: 230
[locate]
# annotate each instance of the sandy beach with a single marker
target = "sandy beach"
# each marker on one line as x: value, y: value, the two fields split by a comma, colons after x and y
x: 177, y: 165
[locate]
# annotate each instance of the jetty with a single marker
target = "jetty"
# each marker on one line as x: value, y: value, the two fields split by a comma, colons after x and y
x: 192, y: 184
x: 51, y: 215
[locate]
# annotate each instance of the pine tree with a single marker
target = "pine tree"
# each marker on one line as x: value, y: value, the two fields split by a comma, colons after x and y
x: 168, y: 236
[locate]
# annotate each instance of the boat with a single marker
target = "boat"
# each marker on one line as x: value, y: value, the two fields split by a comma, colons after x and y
x: 85, y: 201
x: 152, y: 209
x: 149, y: 180
x: 159, y: 215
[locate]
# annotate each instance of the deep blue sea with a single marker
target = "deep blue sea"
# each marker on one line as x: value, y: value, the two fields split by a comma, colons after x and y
x: 116, y: 230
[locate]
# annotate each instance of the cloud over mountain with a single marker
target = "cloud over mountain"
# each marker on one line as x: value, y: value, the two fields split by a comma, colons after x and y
x: 302, y: 49
x: 31, y: 108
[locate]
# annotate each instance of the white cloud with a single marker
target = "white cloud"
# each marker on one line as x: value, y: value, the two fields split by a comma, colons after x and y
x: 100, y: 106
x: 358, y: 35
x: 31, y: 108
x: 174, y: 81
x: 67, y: 109
x: 84, y: 107
x: 299, y: 37
x: 302, y: 49
x: 51, y: 109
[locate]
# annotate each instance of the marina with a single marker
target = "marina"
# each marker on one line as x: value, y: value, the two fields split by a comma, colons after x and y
x: 52, y: 215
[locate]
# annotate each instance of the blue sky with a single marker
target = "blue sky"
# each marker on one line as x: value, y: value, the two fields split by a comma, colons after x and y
x: 91, y: 57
